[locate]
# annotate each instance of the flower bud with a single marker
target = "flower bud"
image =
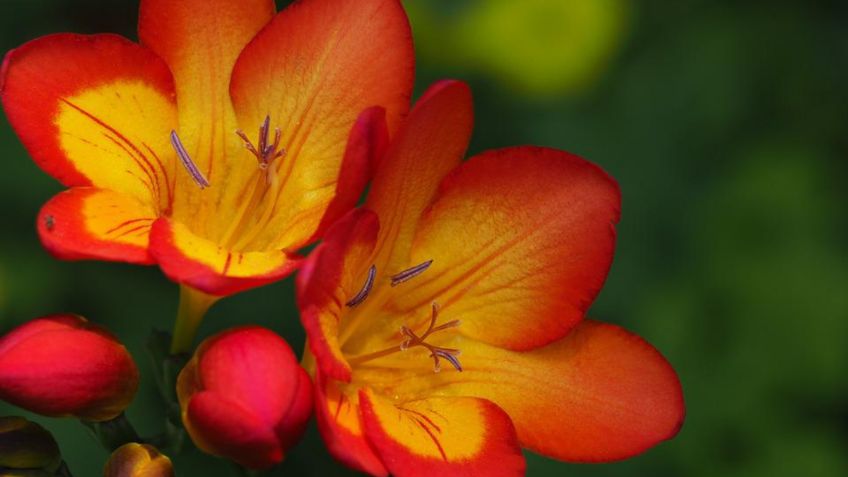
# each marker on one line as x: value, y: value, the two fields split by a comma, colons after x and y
x: 62, y: 365
x: 26, y: 445
x: 138, y: 460
x: 244, y: 396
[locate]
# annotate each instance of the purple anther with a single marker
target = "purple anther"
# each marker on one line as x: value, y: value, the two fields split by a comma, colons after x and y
x: 185, y: 159
x: 410, y: 273
x: 366, y: 288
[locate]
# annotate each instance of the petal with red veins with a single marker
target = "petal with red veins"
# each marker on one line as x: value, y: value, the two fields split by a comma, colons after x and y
x: 457, y: 436
x: 94, y: 111
x: 88, y: 223
x: 202, y: 264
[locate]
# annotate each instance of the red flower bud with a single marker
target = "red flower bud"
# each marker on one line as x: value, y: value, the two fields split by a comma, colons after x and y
x: 62, y: 365
x: 245, y: 397
x: 138, y: 460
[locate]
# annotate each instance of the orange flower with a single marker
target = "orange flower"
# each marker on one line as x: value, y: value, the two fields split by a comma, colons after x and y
x: 487, y: 268
x: 214, y: 147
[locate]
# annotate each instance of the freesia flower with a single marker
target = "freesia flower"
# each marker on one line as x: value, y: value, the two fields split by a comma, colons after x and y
x: 244, y: 396
x: 138, y: 460
x: 214, y: 147
x: 446, y: 319
x: 64, y: 365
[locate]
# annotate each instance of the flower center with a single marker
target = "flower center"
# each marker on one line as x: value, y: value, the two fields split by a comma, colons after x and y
x: 265, y: 152
x: 410, y: 338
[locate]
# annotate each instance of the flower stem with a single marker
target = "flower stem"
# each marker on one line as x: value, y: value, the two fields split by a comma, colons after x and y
x: 113, y: 433
x: 193, y: 307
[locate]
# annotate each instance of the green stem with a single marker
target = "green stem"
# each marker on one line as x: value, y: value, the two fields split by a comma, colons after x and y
x: 193, y: 307
x: 114, y: 433
x: 63, y: 471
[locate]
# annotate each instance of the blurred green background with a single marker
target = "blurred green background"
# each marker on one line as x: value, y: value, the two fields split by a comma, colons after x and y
x: 726, y: 124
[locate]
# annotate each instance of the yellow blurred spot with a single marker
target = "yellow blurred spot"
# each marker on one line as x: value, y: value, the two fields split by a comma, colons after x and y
x: 536, y: 47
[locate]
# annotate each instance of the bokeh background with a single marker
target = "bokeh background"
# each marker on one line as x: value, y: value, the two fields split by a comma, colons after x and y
x: 726, y: 124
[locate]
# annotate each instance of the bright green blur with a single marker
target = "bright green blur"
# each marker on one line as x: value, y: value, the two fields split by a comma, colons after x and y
x: 725, y: 125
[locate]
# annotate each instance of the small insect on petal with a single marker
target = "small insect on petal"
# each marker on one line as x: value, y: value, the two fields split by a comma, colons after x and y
x: 366, y: 288
x: 185, y: 159
x: 410, y: 273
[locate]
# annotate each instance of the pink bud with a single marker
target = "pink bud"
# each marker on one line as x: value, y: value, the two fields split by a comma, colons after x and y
x: 63, y: 365
x: 245, y: 397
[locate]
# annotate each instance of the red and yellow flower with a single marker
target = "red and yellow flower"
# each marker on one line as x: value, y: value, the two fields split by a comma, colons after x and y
x: 214, y: 147
x: 487, y: 268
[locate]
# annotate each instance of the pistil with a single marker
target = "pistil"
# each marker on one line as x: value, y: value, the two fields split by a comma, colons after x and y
x: 437, y: 353
x: 265, y: 153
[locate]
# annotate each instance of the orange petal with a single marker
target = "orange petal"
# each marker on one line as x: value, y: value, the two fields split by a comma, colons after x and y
x: 521, y: 241
x: 431, y: 142
x: 338, y: 417
x: 366, y: 145
x: 328, y: 280
x: 455, y: 436
x: 89, y: 223
x: 599, y: 394
x: 313, y: 70
x: 200, y: 41
x: 192, y: 260
x: 94, y: 110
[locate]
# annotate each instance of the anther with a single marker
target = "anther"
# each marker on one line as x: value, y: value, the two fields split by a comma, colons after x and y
x: 185, y: 159
x: 410, y: 273
x: 366, y: 288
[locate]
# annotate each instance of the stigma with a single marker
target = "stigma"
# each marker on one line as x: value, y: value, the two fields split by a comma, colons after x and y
x: 264, y: 151
x: 437, y: 353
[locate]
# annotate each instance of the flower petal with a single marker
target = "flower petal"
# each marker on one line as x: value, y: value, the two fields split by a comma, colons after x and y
x: 431, y: 142
x: 94, y: 110
x: 599, y: 394
x: 442, y: 436
x: 338, y: 417
x: 366, y: 146
x: 200, y: 41
x: 221, y: 426
x: 187, y: 258
x: 89, y: 223
x: 328, y: 280
x: 313, y: 70
x: 521, y: 241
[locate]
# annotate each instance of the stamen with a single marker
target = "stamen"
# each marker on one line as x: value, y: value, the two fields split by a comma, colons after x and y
x: 366, y: 288
x: 410, y: 273
x: 185, y: 159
